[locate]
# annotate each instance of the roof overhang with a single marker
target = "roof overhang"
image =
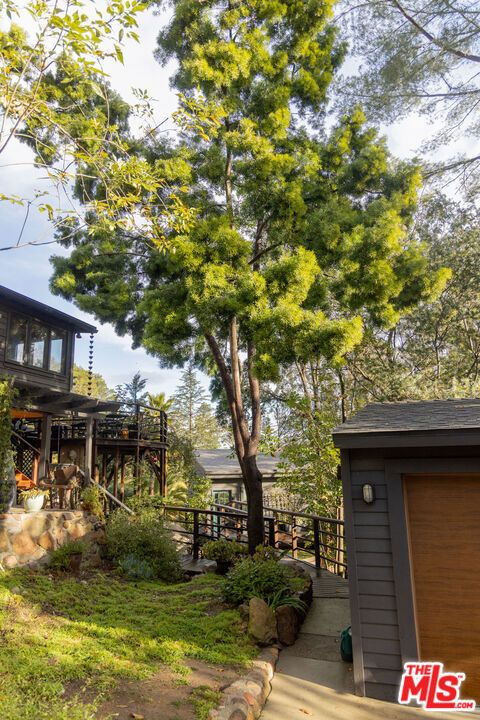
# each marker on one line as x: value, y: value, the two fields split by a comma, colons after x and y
x: 407, y: 438
x: 26, y: 305
x: 58, y: 403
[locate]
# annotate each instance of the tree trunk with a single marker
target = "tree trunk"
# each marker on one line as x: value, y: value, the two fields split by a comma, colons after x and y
x: 252, y: 478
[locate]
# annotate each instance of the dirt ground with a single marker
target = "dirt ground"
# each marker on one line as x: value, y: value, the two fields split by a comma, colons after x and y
x: 164, y: 696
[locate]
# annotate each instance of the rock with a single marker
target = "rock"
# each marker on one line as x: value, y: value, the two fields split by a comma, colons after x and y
x: 288, y: 624
x: 4, y: 544
x: 10, y: 561
x: 23, y: 545
x: 262, y: 624
x: 46, y: 541
x: 35, y: 525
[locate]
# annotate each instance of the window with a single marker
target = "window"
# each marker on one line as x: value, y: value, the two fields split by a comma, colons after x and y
x: 57, y: 343
x: 17, y: 339
x: 36, y: 345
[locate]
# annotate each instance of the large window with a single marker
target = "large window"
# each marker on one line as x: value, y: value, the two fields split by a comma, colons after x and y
x: 36, y: 345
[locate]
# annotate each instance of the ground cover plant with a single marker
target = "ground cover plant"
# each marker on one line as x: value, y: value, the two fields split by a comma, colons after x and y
x: 65, y: 643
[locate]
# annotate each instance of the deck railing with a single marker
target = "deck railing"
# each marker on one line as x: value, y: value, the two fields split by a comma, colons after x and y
x: 318, y: 541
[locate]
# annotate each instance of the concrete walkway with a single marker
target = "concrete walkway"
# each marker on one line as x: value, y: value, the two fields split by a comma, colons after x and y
x: 312, y: 681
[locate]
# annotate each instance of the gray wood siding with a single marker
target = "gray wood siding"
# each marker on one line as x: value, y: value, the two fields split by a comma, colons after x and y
x: 376, y: 596
x: 36, y: 376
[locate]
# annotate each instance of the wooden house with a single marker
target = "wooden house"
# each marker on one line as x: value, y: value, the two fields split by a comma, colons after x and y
x: 52, y: 423
x: 411, y: 480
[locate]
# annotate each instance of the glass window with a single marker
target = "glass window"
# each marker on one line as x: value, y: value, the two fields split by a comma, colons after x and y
x: 37, y: 345
x: 17, y: 339
x: 57, y: 342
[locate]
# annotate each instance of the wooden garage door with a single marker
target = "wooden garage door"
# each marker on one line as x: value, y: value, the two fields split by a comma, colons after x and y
x: 443, y: 514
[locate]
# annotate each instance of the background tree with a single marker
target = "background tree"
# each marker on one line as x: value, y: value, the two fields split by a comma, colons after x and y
x: 418, y: 56
x: 192, y: 416
x: 298, y: 236
x: 99, y: 387
x: 159, y: 401
x: 132, y: 392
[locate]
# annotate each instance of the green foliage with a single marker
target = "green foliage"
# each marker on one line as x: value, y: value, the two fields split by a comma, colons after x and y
x: 136, y: 568
x: 223, y: 550
x: 60, y: 558
x: 309, y: 461
x: 92, y: 501
x: 284, y: 597
x: 56, y: 638
x: 132, y: 392
x: 144, y: 537
x: 32, y: 493
x: 7, y: 395
x: 204, y: 699
x: 256, y: 578
x: 99, y: 387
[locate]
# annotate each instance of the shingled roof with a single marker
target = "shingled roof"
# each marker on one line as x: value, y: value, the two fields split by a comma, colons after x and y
x: 411, y: 417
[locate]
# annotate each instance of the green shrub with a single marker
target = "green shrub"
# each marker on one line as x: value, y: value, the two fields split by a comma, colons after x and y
x: 135, y: 568
x: 92, y: 501
x: 223, y: 550
x: 256, y: 578
x: 144, y: 537
x: 60, y: 558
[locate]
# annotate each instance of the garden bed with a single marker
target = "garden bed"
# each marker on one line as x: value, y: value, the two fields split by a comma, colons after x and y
x: 76, y: 648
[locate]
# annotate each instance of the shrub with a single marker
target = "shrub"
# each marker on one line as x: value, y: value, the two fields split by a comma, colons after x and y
x: 135, y: 568
x: 144, y: 537
x: 256, y: 578
x: 60, y: 558
x: 223, y: 550
x: 92, y: 501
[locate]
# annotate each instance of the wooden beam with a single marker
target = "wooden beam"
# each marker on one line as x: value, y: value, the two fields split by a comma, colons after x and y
x: 88, y: 448
x: 45, y: 445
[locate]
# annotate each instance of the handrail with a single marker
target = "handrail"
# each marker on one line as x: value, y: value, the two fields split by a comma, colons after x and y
x: 291, y: 513
x: 25, y: 442
x: 111, y: 497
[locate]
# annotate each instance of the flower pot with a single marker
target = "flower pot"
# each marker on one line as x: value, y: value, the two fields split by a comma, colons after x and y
x: 8, y: 492
x: 33, y: 504
x: 223, y: 566
x: 75, y: 562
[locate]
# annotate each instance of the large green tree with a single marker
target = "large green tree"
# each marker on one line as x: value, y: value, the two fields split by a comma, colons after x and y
x: 191, y: 415
x: 95, y: 384
x: 298, y: 235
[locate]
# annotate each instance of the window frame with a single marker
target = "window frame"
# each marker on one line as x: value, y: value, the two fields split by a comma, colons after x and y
x: 31, y: 320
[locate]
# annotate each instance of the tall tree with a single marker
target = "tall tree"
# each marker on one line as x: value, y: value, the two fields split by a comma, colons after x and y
x: 418, y: 55
x: 98, y: 385
x: 297, y: 237
x: 132, y: 392
x: 191, y: 414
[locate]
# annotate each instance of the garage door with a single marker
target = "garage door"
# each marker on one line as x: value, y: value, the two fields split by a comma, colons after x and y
x: 443, y: 514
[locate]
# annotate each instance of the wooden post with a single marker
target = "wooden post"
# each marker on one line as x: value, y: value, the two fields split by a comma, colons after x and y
x: 104, y: 469
x: 271, y: 531
x: 88, y: 448
x: 122, y: 479
x: 196, y: 535
x: 45, y: 445
x: 294, y: 538
x: 316, y: 544
x: 115, y: 472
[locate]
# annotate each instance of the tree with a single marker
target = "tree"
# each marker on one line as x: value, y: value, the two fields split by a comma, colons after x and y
x: 418, y: 56
x: 191, y: 414
x: 297, y: 236
x: 97, y: 384
x: 133, y: 392
x: 159, y: 401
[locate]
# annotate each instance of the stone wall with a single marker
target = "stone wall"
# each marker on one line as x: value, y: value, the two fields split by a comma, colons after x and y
x: 29, y: 538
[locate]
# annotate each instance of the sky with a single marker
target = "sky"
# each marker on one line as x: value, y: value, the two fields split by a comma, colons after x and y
x: 27, y: 270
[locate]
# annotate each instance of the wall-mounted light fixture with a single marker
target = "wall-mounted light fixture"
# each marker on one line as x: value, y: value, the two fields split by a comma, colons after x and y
x: 368, y: 494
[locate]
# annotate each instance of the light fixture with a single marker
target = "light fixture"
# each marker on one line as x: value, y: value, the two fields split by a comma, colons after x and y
x: 368, y: 494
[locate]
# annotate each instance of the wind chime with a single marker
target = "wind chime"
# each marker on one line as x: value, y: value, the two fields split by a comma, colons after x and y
x: 90, y: 366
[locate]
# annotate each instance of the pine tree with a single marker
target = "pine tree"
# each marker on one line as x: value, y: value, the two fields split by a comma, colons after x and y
x: 191, y: 414
x: 133, y: 392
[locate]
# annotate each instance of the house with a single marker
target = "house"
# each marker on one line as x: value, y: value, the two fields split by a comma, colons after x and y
x: 54, y: 425
x: 411, y: 481
x: 222, y: 467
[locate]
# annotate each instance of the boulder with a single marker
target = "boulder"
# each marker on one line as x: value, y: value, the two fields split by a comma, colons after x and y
x: 22, y: 544
x: 262, y: 624
x: 46, y: 541
x: 288, y: 624
x: 10, y: 561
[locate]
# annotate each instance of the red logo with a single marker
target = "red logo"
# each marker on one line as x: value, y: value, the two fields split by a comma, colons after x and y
x: 432, y: 688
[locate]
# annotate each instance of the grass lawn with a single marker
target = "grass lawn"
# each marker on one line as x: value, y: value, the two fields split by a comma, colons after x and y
x: 66, y: 644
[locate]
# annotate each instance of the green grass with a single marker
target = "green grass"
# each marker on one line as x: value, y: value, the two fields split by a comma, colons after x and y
x: 57, y: 633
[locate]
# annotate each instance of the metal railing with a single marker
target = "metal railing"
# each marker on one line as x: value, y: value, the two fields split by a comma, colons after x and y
x: 318, y: 541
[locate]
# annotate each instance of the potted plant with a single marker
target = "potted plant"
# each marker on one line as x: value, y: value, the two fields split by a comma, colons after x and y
x: 224, y: 552
x: 33, y: 499
x: 68, y: 557
x: 8, y: 486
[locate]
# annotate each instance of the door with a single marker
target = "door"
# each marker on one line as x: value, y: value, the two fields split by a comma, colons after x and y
x: 443, y: 517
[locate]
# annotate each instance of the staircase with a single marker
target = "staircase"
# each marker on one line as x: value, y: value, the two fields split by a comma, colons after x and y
x: 26, y: 460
